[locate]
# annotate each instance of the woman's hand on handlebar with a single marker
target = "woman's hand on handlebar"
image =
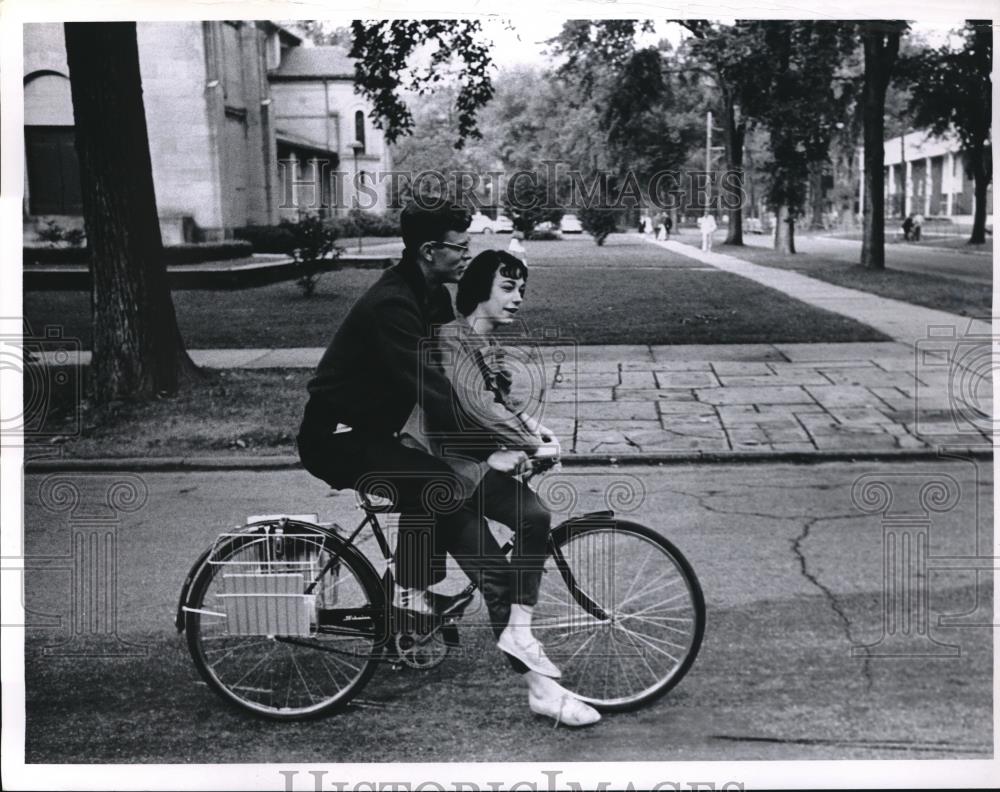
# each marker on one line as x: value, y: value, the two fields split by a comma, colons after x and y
x: 517, y: 463
x: 546, y: 457
x: 507, y: 461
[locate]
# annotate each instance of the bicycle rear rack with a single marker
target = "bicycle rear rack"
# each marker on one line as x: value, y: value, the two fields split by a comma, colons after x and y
x: 264, y: 586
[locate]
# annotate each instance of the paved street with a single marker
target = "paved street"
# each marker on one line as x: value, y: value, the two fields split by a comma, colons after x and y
x: 792, y: 572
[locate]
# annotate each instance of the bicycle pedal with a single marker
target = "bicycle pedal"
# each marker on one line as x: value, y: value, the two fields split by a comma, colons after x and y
x: 452, y: 605
x: 449, y: 633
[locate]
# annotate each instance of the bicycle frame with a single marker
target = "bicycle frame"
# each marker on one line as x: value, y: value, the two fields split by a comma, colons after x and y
x: 370, y: 519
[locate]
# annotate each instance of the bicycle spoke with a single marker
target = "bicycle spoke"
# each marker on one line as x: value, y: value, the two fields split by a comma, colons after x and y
x: 654, y: 621
x: 298, y: 670
x: 657, y: 606
x: 642, y: 655
x: 648, y: 591
x: 654, y: 610
x: 294, y: 674
x: 253, y: 668
x: 649, y: 642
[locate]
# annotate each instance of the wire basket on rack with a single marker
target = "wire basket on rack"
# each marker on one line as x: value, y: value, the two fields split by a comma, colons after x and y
x: 267, y: 582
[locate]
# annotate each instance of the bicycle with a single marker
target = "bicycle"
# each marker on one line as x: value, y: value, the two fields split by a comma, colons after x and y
x: 288, y: 619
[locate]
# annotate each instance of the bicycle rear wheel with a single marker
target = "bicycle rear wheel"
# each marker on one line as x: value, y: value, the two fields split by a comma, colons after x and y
x: 275, y: 629
x: 620, y: 611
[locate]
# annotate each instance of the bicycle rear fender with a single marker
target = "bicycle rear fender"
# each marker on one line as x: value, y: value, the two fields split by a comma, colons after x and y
x: 179, y: 619
x: 336, y: 541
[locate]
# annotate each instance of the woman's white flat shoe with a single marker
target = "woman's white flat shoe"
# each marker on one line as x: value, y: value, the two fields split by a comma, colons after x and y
x: 565, y: 709
x: 531, y: 654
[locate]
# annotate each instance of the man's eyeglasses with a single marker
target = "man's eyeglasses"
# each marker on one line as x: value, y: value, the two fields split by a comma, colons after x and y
x: 453, y: 246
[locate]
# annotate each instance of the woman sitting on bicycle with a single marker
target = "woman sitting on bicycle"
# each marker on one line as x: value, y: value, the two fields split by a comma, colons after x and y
x: 490, y: 294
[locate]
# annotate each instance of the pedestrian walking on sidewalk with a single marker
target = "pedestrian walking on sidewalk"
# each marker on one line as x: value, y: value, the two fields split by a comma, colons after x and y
x: 707, y: 226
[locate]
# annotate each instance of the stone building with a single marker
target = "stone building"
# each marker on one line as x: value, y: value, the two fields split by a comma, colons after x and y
x: 237, y: 112
x: 926, y: 175
x: 318, y: 116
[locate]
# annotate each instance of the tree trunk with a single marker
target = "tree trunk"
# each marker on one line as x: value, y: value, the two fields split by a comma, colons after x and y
x: 784, y: 231
x: 137, y: 346
x: 734, y: 136
x: 881, y: 46
x: 816, y: 197
x: 981, y: 181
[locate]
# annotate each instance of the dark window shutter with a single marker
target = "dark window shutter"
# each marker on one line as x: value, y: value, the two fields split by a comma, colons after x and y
x: 53, y: 171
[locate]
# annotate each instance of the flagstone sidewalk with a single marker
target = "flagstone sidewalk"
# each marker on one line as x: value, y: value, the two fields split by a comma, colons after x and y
x: 733, y: 400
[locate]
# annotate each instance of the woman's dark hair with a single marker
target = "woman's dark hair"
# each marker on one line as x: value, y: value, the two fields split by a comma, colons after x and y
x: 477, y: 282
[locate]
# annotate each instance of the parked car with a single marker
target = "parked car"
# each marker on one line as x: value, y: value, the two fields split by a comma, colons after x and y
x: 481, y: 224
x: 571, y: 224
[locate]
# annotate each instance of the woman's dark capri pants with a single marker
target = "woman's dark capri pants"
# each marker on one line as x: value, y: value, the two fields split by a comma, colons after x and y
x: 435, y: 520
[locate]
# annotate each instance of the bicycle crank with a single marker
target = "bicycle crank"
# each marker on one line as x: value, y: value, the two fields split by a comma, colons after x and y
x: 421, y: 650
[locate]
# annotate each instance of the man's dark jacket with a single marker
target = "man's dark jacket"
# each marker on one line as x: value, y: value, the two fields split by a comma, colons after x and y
x: 371, y: 377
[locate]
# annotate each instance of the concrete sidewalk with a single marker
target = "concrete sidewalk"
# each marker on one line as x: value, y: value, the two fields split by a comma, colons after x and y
x: 903, y: 322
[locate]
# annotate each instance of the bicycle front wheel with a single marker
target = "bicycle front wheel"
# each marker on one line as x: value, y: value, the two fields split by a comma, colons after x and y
x: 286, y: 624
x: 620, y: 611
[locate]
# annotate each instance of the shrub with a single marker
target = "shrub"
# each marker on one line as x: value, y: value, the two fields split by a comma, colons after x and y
x: 266, y: 239
x: 598, y: 222
x: 312, y: 240
x: 529, y: 204
x: 361, y: 223
x: 198, y: 252
x: 54, y: 234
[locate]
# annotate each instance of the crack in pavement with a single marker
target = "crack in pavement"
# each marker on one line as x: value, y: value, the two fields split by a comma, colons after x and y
x: 797, y: 549
x: 807, y: 527
x: 700, y: 498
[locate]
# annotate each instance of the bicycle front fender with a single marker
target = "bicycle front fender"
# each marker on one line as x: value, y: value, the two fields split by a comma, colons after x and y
x: 558, y: 536
x: 590, y: 518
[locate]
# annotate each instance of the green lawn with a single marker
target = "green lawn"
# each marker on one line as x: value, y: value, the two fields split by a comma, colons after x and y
x: 957, y: 243
x: 626, y: 292
x: 232, y: 411
x: 932, y: 291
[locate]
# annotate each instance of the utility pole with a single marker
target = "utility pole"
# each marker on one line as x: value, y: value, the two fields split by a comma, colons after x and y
x: 708, y: 160
x: 902, y: 166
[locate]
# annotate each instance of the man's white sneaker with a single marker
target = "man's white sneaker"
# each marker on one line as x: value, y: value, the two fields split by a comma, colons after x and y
x: 565, y: 708
x: 413, y: 600
x: 530, y: 653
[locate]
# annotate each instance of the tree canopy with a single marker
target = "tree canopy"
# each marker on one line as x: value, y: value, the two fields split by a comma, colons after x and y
x: 384, y: 71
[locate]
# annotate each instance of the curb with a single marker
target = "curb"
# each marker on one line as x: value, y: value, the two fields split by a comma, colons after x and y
x: 193, y: 464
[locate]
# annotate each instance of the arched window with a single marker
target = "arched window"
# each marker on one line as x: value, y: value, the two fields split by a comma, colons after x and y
x: 50, y: 152
x: 359, y: 128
